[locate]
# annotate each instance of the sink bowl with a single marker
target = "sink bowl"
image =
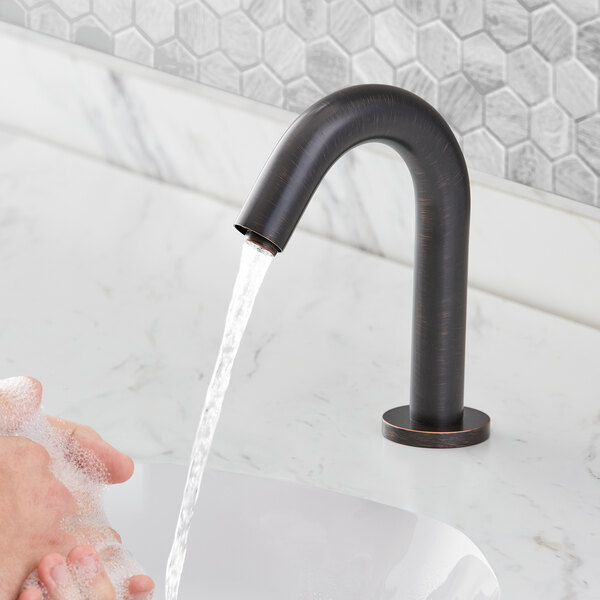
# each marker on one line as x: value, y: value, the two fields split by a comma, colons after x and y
x: 261, y: 539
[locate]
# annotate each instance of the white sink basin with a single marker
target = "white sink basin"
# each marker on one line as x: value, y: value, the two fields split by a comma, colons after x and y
x: 260, y: 539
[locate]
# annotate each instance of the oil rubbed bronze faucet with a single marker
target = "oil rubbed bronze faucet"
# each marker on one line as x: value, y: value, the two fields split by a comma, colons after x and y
x: 436, y: 417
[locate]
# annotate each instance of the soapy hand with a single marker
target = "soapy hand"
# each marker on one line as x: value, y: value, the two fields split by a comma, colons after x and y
x: 35, y: 506
x: 81, y: 576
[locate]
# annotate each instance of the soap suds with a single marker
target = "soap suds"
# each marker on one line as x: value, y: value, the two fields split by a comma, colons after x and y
x: 81, y: 472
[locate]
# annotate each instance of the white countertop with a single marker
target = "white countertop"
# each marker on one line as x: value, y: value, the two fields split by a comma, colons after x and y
x: 114, y: 291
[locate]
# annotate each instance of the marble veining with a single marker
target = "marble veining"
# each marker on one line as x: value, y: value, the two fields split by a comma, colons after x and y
x: 114, y: 292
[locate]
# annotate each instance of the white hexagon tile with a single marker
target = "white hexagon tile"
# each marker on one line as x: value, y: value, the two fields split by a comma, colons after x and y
x: 516, y: 79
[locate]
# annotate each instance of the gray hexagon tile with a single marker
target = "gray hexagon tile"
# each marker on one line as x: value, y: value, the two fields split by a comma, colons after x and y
x: 484, y: 63
x: 91, y: 33
x: 588, y: 141
x: 174, y: 58
x: 327, y: 65
x: 240, y: 39
x: 132, y: 45
x: 48, y: 19
x: 507, y: 22
x: 374, y: 6
x: 265, y: 13
x: 284, y: 52
x: 464, y: 17
x: 218, y: 70
x: 370, y: 67
x: 438, y: 50
x: 533, y: 4
x: 394, y: 36
x: 516, y: 79
x: 12, y: 12
x: 484, y: 152
x: 350, y: 25
x: 198, y: 27
x: 551, y: 129
x: 221, y: 7
x: 419, y: 11
x: 552, y: 34
x: 115, y: 14
x: 529, y: 75
x: 260, y: 84
x: 461, y: 103
x: 301, y: 93
x: 579, y: 10
x: 156, y: 18
x: 527, y: 164
x: 574, y: 179
x: 588, y: 46
x: 308, y: 18
x: 73, y: 8
x: 506, y: 116
x: 576, y: 88
x: 415, y: 78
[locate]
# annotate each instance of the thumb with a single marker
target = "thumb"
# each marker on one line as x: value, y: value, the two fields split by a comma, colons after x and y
x: 20, y: 399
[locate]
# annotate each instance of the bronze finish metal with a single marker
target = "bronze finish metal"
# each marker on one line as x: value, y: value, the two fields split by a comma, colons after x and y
x: 397, y: 426
x: 393, y: 116
x: 265, y: 244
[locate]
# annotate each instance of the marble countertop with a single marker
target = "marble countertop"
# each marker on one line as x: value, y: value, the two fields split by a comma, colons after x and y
x: 114, y: 292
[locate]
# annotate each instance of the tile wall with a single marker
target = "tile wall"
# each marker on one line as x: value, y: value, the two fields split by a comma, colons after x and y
x: 517, y: 79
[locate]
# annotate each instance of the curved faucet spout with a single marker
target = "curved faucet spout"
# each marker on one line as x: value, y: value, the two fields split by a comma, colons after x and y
x: 324, y: 132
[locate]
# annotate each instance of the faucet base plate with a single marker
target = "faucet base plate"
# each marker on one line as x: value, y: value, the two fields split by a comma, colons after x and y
x: 398, y: 427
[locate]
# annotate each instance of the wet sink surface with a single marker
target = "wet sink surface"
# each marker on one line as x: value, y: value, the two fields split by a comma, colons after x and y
x: 262, y: 539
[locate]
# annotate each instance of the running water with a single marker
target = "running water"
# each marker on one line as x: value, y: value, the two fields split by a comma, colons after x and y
x: 253, y: 266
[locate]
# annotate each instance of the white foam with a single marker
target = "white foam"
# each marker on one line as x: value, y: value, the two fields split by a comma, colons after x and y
x: 80, y: 471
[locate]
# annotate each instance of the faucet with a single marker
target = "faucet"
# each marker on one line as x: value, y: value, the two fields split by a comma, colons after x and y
x: 436, y: 416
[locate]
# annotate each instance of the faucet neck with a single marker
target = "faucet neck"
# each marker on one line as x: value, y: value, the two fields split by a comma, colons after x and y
x: 340, y: 122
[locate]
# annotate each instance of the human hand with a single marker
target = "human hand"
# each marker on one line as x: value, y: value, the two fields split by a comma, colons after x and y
x: 81, y: 576
x: 34, y: 504
x: 20, y: 399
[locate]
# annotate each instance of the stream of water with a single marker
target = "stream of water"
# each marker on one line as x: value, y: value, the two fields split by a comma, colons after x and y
x: 253, y: 266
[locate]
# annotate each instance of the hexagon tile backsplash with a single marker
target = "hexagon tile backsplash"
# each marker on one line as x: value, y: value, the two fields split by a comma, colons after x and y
x: 517, y: 79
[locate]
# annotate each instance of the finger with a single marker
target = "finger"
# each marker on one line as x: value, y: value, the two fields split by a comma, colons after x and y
x: 30, y: 594
x: 98, y: 536
x: 56, y: 576
x: 90, y: 573
x: 140, y: 587
x: 115, y: 534
x: 118, y: 465
x: 104, y: 539
x: 20, y: 398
